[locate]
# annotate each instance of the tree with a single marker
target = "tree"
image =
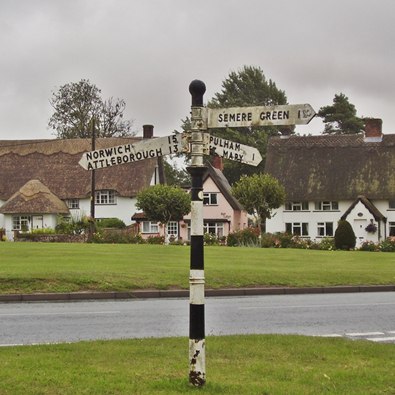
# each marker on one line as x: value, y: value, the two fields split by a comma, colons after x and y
x: 175, y: 175
x: 164, y: 203
x: 260, y: 194
x: 340, y: 117
x: 344, y: 236
x: 247, y: 87
x: 76, y: 105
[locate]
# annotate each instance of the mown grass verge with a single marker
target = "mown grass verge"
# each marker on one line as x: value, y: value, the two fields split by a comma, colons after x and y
x: 256, y: 364
x: 51, y: 267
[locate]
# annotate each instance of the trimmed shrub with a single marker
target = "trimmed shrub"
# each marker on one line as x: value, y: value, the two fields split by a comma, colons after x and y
x: 111, y: 223
x: 344, y: 236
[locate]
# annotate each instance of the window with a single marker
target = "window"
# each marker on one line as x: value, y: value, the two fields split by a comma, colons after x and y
x: 105, y: 197
x: 210, y: 199
x: 73, y: 203
x: 172, y: 228
x: 391, y: 204
x: 327, y: 206
x: 297, y: 206
x: 325, y: 229
x: 216, y: 228
x: 297, y: 228
x: 21, y: 222
x: 392, y: 228
x: 150, y: 227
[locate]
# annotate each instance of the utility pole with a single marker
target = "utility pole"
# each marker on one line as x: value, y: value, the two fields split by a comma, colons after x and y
x: 197, y: 357
x: 92, y: 225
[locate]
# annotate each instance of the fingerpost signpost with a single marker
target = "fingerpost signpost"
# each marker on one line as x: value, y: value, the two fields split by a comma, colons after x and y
x: 198, y: 143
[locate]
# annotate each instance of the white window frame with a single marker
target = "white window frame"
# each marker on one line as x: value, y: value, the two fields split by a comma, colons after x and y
x: 391, y: 228
x: 210, y: 199
x: 298, y: 228
x: 391, y: 204
x: 172, y: 228
x: 325, y: 229
x: 213, y: 227
x: 105, y: 197
x: 297, y: 206
x: 326, y: 205
x: 73, y: 203
x: 19, y: 221
x: 149, y: 227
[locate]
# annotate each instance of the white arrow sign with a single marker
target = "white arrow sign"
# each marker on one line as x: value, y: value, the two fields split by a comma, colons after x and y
x: 236, y: 117
x: 235, y: 151
x: 128, y: 153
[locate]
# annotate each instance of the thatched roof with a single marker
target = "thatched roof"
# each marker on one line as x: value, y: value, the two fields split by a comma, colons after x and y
x: 34, y: 198
x: 333, y: 167
x: 55, y: 164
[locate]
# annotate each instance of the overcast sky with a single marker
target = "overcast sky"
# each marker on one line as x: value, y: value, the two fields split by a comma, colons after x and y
x: 147, y: 52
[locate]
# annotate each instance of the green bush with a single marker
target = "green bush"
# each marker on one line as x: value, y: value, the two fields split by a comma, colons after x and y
x: 116, y: 237
x: 268, y: 240
x: 387, y: 245
x: 248, y: 237
x: 72, y: 226
x: 369, y: 246
x: 327, y: 244
x: 210, y: 239
x: 284, y: 240
x: 111, y: 223
x: 156, y: 240
x: 344, y: 236
x: 44, y: 231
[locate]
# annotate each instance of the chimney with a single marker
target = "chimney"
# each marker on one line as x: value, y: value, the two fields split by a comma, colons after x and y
x: 218, y: 163
x: 285, y: 132
x: 148, y: 131
x: 373, y: 130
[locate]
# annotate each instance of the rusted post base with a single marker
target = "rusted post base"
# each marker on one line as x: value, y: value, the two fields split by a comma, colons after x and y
x: 197, y: 363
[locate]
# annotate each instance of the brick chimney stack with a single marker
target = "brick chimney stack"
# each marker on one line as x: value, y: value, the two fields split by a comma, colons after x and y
x: 373, y: 130
x: 218, y: 163
x: 148, y: 131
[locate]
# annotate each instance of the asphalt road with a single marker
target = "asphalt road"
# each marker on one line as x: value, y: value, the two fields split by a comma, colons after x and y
x: 359, y: 315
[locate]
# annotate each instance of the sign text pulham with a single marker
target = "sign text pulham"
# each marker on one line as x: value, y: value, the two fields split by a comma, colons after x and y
x: 295, y: 114
x: 128, y: 153
x: 235, y: 151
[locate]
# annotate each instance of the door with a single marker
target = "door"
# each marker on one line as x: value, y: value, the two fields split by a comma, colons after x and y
x: 37, y: 222
x: 359, y: 229
x: 172, y: 230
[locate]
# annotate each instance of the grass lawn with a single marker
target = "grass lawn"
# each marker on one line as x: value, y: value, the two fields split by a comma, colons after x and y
x: 47, y: 267
x: 267, y: 364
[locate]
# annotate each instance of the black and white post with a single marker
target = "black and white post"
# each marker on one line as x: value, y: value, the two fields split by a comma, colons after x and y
x: 197, y: 356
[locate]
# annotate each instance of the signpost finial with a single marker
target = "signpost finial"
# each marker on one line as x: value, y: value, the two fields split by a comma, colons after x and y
x: 197, y: 89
